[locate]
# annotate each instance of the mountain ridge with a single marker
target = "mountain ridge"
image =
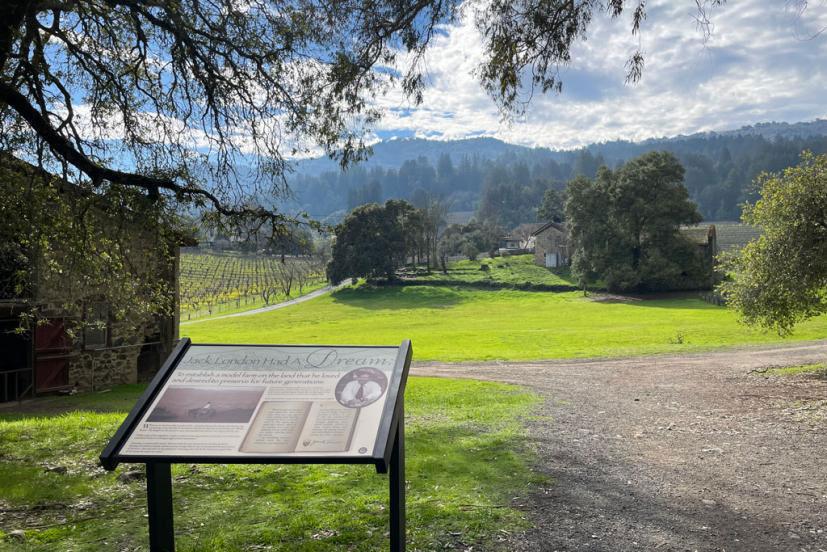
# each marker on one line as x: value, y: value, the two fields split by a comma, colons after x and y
x: 392, y: 153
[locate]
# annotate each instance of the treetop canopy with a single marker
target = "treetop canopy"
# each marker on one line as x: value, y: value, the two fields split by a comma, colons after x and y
x: 205, y: 101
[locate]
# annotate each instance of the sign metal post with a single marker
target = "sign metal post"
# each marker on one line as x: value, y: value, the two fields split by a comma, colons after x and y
x: 159, y: 507
x: 357, y: 390
x: 397, y: 483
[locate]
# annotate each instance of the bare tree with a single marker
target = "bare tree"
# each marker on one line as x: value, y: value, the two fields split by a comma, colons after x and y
x: 266, y: 291
x: 287, y: 275
x: 304, y: 272
x: 524, y: 233
x: 434, y: 215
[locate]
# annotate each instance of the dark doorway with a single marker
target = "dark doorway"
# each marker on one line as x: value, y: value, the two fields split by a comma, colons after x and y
x: 150, y: 357
x: 16, y: 379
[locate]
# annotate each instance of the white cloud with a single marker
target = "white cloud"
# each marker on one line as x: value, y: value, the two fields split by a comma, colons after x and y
x: 760, y: 64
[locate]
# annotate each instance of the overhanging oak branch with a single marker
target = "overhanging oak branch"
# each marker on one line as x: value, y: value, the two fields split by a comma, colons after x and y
x: 63, y: 148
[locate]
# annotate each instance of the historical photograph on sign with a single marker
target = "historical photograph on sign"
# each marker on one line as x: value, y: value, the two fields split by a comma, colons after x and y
x: 237, y: 401
x: 361, y: 387
x: 207, y: 405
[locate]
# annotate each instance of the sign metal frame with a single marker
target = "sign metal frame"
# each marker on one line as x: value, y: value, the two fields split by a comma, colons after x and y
x: 388, y: 455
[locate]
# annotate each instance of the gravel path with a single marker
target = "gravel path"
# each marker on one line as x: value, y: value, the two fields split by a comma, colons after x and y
x: 298, y: 300
x: 690, y: 452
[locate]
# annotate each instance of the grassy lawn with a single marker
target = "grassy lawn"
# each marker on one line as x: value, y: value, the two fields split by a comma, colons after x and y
x: 459, y: 324
x: 466, y: 462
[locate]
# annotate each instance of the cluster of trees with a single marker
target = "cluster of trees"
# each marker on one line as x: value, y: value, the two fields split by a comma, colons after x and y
x: 510, y: 195
x: 624, y: 230
x: 468, y: 240
x: 290, y: 275
x: 508, y: 188
x: 624, y: 227
x: 415, y: 180
x: 373, y: 240
x: 290, y: 239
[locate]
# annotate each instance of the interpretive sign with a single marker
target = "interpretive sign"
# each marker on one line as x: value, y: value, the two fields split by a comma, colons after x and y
x: 268, y: 404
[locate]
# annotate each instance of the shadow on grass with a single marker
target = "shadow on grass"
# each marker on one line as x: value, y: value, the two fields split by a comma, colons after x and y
x: 32, y: 484
x: 460, y: 481
x: 465, y: 462
x: 118, y: 399
x: 679, y: 300
x: 493, y: 285
x: 372, y: 297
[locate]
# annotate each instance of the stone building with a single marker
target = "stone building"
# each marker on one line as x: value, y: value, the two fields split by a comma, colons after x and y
x: 705, y: 238
x: 551, y: 245
x: 52, y: 358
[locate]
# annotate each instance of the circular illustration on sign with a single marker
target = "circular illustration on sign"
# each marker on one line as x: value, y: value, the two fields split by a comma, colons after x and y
x: 361, y: 387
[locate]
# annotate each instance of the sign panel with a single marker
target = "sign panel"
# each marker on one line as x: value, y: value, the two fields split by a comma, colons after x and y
x: 239, y: 403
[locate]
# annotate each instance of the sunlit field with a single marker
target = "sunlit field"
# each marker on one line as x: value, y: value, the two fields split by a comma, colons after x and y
x: 460, y: 324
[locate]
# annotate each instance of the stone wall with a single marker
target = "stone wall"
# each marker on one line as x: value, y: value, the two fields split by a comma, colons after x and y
x: 118, y: 363
x: 103, y: 368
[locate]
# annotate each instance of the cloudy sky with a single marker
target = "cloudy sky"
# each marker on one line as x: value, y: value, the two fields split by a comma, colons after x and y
x: 762, y: 63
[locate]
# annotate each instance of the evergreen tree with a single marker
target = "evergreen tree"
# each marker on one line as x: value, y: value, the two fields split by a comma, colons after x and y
x: 553, y: 208
x: 624, y: 226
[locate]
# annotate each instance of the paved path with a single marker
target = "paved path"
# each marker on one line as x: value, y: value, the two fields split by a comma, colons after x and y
x: 301, y: 299
x: 694, y: 452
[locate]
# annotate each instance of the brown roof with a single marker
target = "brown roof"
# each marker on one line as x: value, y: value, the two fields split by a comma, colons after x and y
x: 559, y: 226
x: 522, y: 230
x: 735, y: 235
x: 698, y: 234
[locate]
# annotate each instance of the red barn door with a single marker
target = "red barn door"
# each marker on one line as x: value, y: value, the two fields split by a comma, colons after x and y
x: 51, y: 357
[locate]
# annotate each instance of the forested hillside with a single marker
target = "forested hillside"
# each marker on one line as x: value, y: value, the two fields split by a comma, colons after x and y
x: 505, y: 183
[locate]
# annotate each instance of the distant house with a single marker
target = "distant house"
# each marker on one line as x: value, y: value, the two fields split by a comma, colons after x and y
x: 48, y: 358
x: 721, y: 237
x: 705, y: 237
x: 550, y: 242
x: 732, y: 236
x: 715, y: 239
x: 211, y: 239
x: 510, y: 243
x: 551, y: 245
x: 519, y: 240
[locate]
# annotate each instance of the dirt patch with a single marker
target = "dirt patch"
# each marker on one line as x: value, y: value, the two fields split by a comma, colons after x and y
x: 611, y: 298
x: 602, y: 297
x: 693, y: 452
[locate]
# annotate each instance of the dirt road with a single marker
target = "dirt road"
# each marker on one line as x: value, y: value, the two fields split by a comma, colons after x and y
x: 688, y: 452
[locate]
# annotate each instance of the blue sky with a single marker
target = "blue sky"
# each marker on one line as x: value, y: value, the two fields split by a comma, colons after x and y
x: 763, y: 62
